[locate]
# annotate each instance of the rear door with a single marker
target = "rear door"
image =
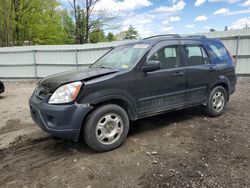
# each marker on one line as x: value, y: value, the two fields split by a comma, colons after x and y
x: 163, y: 89
x: 200, y: 73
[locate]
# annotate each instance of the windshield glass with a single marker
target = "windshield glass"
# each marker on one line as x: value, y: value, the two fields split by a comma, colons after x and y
x: 122, y: 57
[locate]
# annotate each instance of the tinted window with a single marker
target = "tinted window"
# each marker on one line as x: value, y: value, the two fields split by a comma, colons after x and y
x: 167, y: 56
x: 195, y: 55
x: 219, y: 52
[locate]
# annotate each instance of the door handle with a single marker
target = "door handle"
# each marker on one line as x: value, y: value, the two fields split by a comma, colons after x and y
x: 178, y: 74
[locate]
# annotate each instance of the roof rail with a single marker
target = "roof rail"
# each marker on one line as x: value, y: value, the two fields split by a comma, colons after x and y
x: 195, y: 36
x: 166, y: 35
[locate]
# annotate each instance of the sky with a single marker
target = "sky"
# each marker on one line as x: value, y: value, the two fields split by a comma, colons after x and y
x: 152, y: 17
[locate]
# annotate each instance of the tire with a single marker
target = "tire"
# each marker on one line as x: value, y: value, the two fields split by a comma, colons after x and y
x: 217, y: 102
x: 106, y: 128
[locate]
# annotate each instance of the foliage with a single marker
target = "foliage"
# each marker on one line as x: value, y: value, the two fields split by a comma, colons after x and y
x: 111, y: 37
x: 89, y: 21
x: 212, y: 30
x: 97, y: 36
x: 246, y: 27
x: 131, y: 33
x: 31, y: 22
x: 68, y: 26
x: 46, y: 24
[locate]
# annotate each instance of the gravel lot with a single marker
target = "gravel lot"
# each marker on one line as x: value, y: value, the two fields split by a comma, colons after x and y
x: 180, y: 149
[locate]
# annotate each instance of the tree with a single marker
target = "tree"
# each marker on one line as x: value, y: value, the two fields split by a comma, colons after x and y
x: 79, y: 20
x: 43, y: 22
x: 246, y: 27
x: 69, y: 28
x: 131, y: 33
x: 212, y: 30
x: 46, y: 24
x: 88, y: 19
x: 32, y: 21
x: 111, y: 37
x: 97, y: 36
x: 14, y: 20
x: 89, y: 6
x: 5, y: 22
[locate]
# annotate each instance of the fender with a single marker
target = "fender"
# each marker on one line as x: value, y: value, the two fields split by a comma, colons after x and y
x: 111, y: 95
x: 222, y: 80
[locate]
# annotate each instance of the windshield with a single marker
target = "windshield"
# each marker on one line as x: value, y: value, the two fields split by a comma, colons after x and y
x: 122, y: 57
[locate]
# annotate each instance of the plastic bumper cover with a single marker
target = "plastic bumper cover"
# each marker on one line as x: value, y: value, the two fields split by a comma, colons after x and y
x: 60, y: 120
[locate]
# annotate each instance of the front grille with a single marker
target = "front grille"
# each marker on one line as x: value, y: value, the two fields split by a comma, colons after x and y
x: 41, y: 92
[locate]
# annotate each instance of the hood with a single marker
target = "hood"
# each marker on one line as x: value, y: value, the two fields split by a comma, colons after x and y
x: 54, y: 81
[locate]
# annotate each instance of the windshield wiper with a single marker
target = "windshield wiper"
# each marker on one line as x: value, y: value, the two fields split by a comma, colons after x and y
x: 105, y: 67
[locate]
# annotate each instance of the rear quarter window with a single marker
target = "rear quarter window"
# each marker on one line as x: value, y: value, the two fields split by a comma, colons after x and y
x: 219, y: 52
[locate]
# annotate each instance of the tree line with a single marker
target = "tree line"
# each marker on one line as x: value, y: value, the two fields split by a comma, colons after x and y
x: 31, y: 22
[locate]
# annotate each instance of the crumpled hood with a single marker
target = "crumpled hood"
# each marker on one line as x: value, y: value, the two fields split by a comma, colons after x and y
x: 54, y: 81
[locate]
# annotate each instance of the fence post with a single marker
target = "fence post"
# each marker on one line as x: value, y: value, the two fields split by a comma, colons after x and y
x: 237, y: 49
x: 77, y: 64
x: 35, y: 65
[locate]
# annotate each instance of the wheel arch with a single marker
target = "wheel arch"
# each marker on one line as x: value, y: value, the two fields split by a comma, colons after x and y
x: 124, y: 103
x: 119, y: 100
x: 224, y: 84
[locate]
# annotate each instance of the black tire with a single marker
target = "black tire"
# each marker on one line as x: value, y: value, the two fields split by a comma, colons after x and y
x: 90, y: 131
x: 211, y: 108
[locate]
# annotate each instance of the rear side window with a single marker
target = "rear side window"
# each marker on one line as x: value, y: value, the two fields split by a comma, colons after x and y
x: 219, y: 52
x: 195, y: 55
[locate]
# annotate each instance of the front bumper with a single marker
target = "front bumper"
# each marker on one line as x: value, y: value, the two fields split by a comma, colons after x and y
x: 64, y: 121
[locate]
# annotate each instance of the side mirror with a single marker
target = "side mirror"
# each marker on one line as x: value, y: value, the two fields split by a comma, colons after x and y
x: 151, y: 66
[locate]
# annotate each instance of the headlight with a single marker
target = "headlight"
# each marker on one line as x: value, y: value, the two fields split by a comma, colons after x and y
x: 66, y: 93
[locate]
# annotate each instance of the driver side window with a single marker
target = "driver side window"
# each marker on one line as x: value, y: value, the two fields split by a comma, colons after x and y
x: 167, y: 56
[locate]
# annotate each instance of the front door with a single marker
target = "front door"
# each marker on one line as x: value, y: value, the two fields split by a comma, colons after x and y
x: 163, y: 89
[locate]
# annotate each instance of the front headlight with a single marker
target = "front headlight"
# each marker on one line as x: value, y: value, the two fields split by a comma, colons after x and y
x: 66, y: 93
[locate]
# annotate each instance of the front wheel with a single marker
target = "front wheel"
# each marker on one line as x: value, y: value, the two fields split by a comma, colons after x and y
x: 217, y: 102
x: 106, y: 128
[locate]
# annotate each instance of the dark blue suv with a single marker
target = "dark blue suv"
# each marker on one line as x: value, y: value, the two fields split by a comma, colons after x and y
x: 133, y: 81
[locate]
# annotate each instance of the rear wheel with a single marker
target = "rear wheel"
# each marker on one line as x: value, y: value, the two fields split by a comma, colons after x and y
x: 106, y: 128
x: 217, y: 102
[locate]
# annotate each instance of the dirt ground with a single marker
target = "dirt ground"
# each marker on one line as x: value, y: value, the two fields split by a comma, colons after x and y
x: 180, y: 149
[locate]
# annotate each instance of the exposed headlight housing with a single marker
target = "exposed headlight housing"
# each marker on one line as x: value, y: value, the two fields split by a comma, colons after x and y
x: 66, y: 93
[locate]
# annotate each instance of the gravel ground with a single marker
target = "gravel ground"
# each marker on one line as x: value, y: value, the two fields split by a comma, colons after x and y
x: 180, y: 149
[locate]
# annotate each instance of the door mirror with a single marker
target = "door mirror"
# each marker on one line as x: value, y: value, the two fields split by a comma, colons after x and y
x: 151, y: 66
